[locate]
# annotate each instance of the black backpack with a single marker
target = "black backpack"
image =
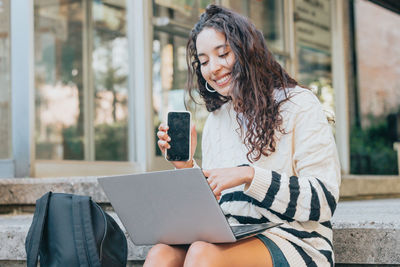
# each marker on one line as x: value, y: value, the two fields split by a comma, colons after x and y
x: 70, y: 230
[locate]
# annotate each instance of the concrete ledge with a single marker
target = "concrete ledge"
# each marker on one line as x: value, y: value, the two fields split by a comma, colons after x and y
x: 364, y: 186
x: 25, y: 191
x: 366, y: 233
x: 13, y: 231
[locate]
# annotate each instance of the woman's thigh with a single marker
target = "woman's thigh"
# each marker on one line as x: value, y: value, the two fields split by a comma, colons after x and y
x: 247, y: 252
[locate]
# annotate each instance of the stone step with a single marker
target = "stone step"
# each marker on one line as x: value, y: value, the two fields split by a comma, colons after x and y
x: 16, y: 191
x: 365, y: 233
x: 24, y: 191
x: 14, y: 228
x: 355, y: 223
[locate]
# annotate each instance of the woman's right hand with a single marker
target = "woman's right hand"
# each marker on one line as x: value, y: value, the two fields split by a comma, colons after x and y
x: 163, y: 144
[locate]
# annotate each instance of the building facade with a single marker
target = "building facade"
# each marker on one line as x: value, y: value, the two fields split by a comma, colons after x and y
x: 85, y: 83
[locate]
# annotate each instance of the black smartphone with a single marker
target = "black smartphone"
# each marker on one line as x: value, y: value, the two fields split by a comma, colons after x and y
x: 179, y: 132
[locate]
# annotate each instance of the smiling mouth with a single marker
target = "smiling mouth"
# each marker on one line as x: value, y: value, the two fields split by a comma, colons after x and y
x: 224, y: 80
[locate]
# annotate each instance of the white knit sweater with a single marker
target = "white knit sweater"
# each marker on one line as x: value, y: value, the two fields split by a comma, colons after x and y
x: 297, y: 185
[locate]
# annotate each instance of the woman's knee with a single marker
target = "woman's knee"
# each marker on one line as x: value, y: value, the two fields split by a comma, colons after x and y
x: 163, y: 255
x: 202, y: 254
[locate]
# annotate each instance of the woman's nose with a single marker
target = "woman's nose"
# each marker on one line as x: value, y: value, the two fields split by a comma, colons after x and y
x: 215, y: 66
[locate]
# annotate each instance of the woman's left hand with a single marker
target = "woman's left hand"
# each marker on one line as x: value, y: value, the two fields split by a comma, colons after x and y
x: 224, y: 178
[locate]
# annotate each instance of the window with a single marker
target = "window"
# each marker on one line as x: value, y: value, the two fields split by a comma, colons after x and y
x: 313, y: 49
x: 110, y: 72
x: 5, y: 91
x: 81, y: 69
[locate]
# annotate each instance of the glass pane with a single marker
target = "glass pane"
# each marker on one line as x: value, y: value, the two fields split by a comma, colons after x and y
x: 169, y: 64
x: 110, y: 71
x: 239, y: 6
x: 81, y: 63
x: 5, y: 92
x: 313, y: 45
x: 59, y: 79
x: 281, y: 60
x: 267, y: 15
x: 185, y: 12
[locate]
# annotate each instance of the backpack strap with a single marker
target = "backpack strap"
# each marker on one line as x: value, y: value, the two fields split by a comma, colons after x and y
x: 83, y: 232
x: 35, y: 233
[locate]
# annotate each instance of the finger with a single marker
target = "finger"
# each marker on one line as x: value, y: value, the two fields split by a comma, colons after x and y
x: 163, y: 136
x: 193, y: 138
x: 161, y: 148
x: 217, y: 191
x: 213, y: 186
x: 163, y: 127
x: 206, y: 173
x: 163, y: 145
x: 193, y: 131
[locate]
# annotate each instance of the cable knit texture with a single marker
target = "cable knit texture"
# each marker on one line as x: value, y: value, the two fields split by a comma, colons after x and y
x: 297, y: 185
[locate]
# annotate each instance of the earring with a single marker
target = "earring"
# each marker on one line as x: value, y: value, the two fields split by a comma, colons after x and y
x: 208, y: 89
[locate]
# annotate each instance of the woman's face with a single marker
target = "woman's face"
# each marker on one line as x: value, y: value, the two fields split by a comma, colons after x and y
x: 216, y: 60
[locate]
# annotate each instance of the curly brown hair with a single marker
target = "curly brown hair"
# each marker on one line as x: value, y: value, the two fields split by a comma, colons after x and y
x: 256, y: 74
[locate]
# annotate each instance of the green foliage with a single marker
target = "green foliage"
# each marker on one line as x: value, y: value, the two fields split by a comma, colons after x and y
x: 72, y: 144
x: 372, y: 150
x: 111, y: 141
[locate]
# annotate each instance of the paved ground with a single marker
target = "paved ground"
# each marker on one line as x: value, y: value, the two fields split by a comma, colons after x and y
x: 368, y: 213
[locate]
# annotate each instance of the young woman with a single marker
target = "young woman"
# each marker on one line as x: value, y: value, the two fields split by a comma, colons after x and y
x: 268, y: 151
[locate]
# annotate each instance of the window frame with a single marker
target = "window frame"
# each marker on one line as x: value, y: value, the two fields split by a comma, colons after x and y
x: 22, y: 94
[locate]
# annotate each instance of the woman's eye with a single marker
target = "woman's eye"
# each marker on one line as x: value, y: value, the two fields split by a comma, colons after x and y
x: 224, y: 55
x: 203, y: 63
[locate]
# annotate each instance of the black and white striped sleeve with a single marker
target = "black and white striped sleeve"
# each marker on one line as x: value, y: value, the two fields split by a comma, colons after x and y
x: 312, y: 193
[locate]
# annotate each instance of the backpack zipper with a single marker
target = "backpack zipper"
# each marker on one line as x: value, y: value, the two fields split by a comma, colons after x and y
x: 105, y: 231
x: 84, y: 236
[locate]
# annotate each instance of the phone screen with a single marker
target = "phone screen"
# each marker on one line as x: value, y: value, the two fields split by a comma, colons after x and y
x: 179, y: 132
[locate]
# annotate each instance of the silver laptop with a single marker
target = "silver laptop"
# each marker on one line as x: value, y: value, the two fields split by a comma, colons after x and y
x: 172, y: 207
